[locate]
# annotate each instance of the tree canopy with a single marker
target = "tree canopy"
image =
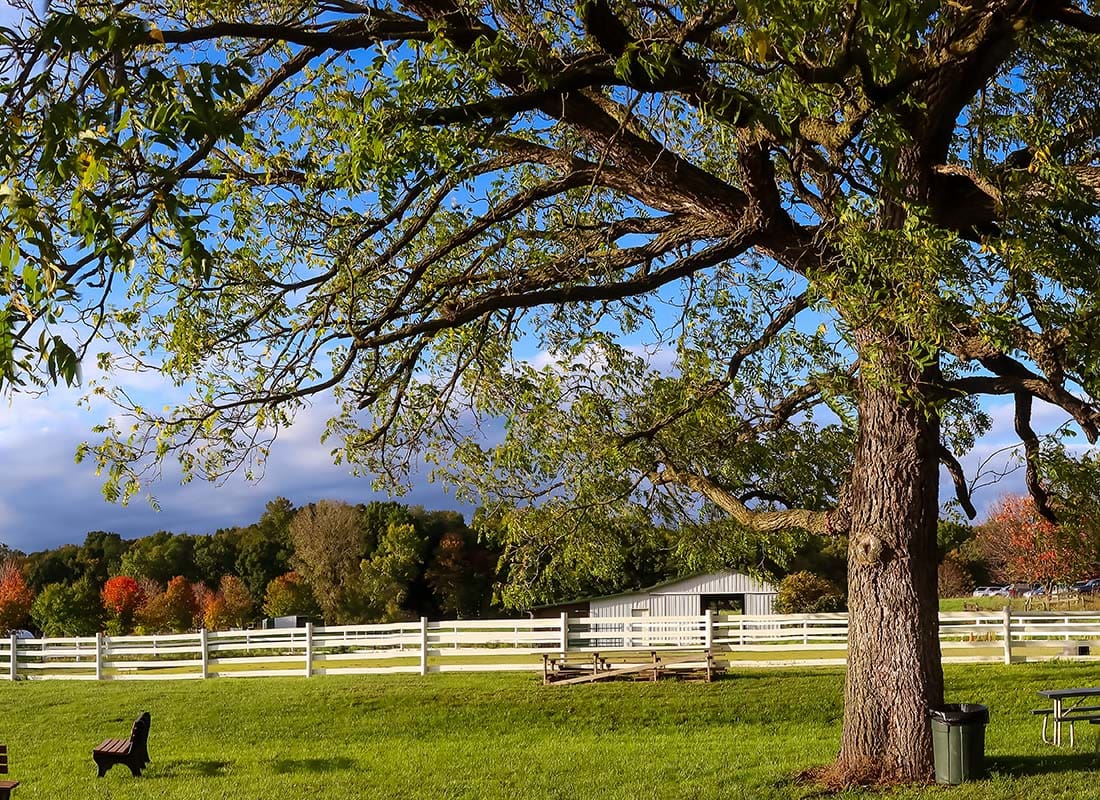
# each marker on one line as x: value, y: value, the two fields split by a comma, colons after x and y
x: 745, y: 262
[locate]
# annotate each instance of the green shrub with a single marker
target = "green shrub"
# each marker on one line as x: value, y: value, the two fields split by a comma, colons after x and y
x: 806, y: 593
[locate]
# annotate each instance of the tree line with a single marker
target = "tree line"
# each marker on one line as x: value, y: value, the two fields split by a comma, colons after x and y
x: 380, y: 561
x: 330, y: 560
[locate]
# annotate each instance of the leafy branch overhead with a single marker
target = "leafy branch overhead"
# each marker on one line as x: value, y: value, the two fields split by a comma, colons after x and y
x: 670, y: 244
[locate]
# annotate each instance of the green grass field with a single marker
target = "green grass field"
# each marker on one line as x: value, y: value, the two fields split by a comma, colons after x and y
x: 1072, y: 603
x: 501, y: 736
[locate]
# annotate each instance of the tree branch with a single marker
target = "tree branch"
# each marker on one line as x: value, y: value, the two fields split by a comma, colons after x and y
x: 958, y: 477
x: 1031, y: 456
x: 759, y: 521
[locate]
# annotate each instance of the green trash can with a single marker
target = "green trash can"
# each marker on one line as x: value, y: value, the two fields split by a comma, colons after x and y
x: 958, y: 741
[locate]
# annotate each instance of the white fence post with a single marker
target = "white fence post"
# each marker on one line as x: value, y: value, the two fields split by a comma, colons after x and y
x: 564, y: 634
x: 99, y: 656
x: 1007, y: 633
x: 14, y: 673
x: 204, y: 645
x: 708, y: 635
x: 309, y: 649
x: 423, y: 645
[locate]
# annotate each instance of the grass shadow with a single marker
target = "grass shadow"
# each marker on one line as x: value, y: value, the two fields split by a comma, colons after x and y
x: 287, y: 765
x: 205, y: 769
x: 1020, y: 766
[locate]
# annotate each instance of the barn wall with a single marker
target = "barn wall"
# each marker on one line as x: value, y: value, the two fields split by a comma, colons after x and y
x: 760, y: 603
x: 620, y: 606
x: 681, y: 599
x: 717, y: 583
x: 674, y: 605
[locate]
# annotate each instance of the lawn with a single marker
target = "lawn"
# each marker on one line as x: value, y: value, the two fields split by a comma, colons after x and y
x: 501, y: 736
x: 1020, y: 605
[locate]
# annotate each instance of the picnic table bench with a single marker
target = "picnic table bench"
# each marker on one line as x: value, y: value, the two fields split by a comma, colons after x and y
x: 559, y: 672
x: 133, y: 752
x: 5, y: 785
x: 1066, y: 711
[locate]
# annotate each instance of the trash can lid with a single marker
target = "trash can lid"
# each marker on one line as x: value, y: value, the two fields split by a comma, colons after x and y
x: 960, y: 713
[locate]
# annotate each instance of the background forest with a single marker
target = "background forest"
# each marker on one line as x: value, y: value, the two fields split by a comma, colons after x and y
x: 330, y: 560
x: 384, y: 562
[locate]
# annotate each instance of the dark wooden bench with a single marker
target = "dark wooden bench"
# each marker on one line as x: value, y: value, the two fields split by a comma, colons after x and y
x: 5, y: 786
x: 133, y: 752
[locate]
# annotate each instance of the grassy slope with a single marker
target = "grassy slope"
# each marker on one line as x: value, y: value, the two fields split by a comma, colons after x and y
x: 499, y: 736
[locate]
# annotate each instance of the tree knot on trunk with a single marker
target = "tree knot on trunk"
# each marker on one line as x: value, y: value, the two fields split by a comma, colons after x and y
x: 869, y: 549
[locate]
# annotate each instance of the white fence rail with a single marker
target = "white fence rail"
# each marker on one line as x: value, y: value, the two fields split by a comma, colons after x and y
x: 519, y: 644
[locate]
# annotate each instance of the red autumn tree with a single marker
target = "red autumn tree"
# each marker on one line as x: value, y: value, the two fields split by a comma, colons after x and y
x: 15, y: 596
x: 1035, y: 550
x: 122, y: 595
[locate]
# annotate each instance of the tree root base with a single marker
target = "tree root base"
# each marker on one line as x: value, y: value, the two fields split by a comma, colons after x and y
x: 852, y: 774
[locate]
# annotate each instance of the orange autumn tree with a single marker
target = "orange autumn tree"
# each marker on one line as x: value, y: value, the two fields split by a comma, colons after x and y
x: 1035, y: 550
x: 15, y: 596
x: 173, y: 610
x: 122, y: 597
x: 229, y: 607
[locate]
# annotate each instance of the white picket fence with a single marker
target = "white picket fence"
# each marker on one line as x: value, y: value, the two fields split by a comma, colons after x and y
x: 520, y: 644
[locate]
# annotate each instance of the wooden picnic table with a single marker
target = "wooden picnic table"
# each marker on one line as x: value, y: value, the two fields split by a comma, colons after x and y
x: 1068, y: 710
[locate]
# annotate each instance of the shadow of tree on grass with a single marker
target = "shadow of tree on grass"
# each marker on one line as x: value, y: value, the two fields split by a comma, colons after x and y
x: 287, y: 765
x: 1020, y: 766
x: 205, y: 769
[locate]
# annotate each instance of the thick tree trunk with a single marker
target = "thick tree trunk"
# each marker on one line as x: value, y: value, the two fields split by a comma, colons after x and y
x: 894, y: 671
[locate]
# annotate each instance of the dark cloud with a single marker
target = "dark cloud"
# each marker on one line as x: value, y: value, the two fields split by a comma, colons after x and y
x: 46, y: 499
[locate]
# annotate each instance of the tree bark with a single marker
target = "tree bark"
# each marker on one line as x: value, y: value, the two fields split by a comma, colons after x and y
x: 894, y: 670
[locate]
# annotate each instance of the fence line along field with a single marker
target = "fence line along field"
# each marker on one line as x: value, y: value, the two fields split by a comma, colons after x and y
x: 520, y: 644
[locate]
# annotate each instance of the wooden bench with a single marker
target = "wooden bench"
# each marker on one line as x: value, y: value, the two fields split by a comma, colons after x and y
x: 5, y: 786
x: 133, y: 752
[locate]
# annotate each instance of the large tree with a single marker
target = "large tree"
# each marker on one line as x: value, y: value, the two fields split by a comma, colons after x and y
x: 713, y: 218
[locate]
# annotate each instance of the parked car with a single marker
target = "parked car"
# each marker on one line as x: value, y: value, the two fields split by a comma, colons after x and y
x: 1060, y: 589
x: 991, y: 591
x: 21, y: 633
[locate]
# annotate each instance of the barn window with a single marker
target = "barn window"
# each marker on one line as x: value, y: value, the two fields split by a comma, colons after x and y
x: 722, y: 603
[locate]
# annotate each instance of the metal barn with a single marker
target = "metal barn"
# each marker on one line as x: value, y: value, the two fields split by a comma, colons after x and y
x: 724, y: 592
